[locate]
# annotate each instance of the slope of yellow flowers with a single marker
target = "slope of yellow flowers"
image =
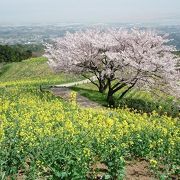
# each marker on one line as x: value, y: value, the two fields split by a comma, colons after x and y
x: 41, y: 136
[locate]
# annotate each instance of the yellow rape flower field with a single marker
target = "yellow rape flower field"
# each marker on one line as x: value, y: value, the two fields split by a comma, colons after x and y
x: 42, y: 137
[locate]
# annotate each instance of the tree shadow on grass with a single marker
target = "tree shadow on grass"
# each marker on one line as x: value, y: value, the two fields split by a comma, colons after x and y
x: 139, y: 104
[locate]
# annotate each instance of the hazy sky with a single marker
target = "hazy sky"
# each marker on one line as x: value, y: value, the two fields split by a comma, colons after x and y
x: 95, y: 11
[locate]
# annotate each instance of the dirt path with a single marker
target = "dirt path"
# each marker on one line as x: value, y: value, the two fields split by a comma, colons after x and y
x: 64, y: 93
x: 76, y: 83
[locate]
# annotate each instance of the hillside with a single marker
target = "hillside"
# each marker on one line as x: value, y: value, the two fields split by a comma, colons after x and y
x: 52, y: 137
x: 31, y: 68
x: 43, y: 136
x: 35, y: 70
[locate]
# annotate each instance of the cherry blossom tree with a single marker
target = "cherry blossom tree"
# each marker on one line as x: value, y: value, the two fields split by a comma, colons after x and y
x: 120, y: 59
x: 82, y: 53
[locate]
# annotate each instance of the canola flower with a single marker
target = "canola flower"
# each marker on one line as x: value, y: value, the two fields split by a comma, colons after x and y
x: 153, y: 163
x: 66, y: 139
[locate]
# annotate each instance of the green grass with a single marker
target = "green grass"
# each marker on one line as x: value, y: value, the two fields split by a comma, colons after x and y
x: 140, y: 100
x: 33, y: 71
x: 27, y: 69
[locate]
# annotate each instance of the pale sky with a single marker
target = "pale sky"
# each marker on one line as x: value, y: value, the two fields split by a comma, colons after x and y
x: 88, y: 11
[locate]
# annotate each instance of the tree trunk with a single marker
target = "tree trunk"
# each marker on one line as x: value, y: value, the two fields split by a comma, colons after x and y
x: 102, y: 85
x: 110, y: 99
x: 102, y: 88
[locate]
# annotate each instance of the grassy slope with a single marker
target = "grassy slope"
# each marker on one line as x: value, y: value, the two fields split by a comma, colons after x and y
x: 26, y: 69
x: 38, y: 71
x: 139, y: 100
x: 35, y: 70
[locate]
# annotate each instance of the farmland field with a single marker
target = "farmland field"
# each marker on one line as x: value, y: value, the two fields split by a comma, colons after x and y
x: 44, y: 137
